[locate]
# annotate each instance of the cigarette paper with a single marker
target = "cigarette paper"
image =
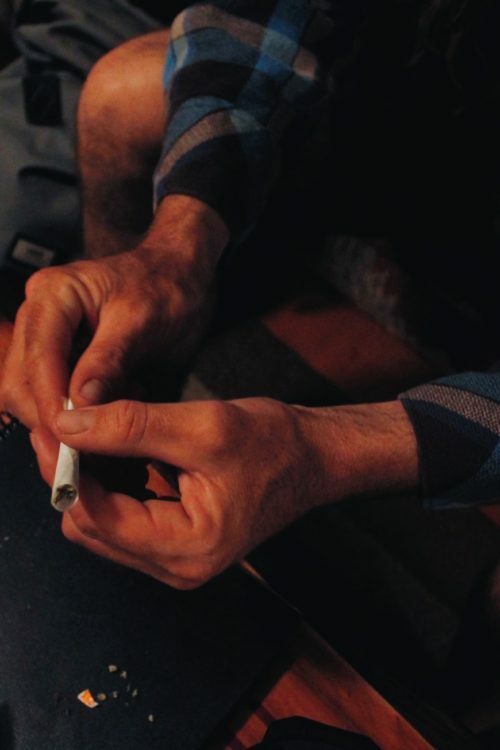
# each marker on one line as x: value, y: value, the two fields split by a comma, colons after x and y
x: 65, y: 487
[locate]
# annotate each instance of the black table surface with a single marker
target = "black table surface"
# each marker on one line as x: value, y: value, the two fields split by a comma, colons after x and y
x: 65, y: 615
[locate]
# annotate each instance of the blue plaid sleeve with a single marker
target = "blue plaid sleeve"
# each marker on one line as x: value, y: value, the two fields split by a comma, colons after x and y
x: 457, y: 424
x: 238, y: 75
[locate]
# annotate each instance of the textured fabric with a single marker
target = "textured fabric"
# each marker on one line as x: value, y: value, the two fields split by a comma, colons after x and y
x: 457, y: 422
x: 245, y: 80
x: 238, y: 75
x: 57, y: 42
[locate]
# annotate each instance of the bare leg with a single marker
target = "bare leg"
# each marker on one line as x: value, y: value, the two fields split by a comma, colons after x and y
x: 121, y: 121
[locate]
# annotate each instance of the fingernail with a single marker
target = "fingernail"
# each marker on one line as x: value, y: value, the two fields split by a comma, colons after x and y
x: 71, y: 422
x: 93, y: 391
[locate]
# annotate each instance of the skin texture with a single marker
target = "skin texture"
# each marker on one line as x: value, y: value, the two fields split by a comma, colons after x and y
x: 145, y: 293
x: 117, y: 163
x: 246, y: 469
x: 140, y: 306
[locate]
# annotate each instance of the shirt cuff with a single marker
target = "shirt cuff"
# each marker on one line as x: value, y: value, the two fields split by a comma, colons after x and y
x: 457, y: 424
x: 220, y: 173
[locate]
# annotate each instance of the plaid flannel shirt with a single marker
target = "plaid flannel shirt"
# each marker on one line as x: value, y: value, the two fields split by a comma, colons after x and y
x: 240, y: 75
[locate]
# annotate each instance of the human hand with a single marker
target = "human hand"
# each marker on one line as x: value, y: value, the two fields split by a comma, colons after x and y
x: 246, y: 469
x: 148, y: 303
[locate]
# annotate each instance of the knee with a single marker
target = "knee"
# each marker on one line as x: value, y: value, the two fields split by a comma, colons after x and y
x: 124, y: 90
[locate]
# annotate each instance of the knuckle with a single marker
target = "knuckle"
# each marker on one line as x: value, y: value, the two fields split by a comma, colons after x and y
x: 39, y: 280
x: 64, y: 283
x: 144, y: 314
x: 113, y: 355
x: 217, y: 426
x: 131, y: 420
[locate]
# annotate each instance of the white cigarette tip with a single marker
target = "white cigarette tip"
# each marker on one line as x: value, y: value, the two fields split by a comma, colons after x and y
x: 65, y: 487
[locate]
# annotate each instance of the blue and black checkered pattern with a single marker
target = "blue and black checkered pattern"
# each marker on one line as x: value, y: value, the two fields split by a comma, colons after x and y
x: 238, y: 74
x: 457, y: 423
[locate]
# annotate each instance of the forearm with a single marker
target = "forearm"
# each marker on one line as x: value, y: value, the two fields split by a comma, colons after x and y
x: 441, y: 439
x: 184, y: 244
x: 360, y: 450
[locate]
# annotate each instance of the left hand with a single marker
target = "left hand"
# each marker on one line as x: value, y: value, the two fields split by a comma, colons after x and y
x: 139, y: 309
x: 246, y: 469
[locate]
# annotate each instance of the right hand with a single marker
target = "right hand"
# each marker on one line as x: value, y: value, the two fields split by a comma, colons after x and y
x: 135, y: 310
x: 246, y: 468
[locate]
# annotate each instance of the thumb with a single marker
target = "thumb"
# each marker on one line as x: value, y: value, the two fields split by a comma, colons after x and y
x: 101, y: 370
x: 172, y: 433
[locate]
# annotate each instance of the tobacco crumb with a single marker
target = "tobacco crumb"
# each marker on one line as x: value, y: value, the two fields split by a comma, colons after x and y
x: 101, y: 697
x: 112, y: 668
x: 151, y: 718
x: 87, y: 699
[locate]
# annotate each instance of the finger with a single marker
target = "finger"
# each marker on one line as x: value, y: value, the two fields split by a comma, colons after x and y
x: 22, y: 406
x: 15, y: 393
x: 73, y: 533
x: 103, y: 368
x: 139, y: 529
x: 92, y: 522
x: 178, y: 434
x: 52, y: 318
x: 46, y: 448
x: 116, y: 519
x: 6, y: 331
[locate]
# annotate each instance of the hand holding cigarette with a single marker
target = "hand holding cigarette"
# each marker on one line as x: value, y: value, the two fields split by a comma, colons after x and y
x: 226, y: 505
x: 65, y: 487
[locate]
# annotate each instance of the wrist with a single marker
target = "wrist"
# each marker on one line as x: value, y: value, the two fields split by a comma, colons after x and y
x: 361, y: 450
x: 185, y: 242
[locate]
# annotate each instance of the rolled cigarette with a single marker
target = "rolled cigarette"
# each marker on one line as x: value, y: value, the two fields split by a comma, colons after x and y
x: 65, y: 487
